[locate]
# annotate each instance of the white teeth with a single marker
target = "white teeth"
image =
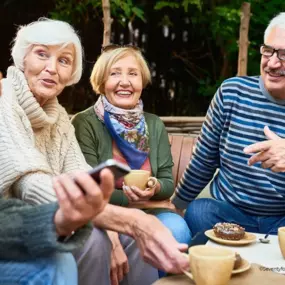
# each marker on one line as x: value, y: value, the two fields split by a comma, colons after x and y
x: 124, y: 93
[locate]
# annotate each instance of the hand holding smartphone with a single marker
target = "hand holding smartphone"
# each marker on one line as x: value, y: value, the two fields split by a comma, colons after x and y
x: 117, y: 168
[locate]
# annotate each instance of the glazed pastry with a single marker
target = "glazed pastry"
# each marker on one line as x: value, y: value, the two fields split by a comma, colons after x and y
x: 238, y: 261
x: 229, y: 231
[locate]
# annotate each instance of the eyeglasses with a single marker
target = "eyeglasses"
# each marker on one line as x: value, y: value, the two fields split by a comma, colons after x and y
x: 115, y: 46
x: 268, y: 51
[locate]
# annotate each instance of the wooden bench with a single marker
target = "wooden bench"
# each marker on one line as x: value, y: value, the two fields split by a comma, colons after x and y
x: 181, y: 149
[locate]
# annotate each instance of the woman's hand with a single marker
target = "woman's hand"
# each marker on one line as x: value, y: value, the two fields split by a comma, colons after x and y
x: 119, y: 260
x: 134, y: 194
x: 75, y: 207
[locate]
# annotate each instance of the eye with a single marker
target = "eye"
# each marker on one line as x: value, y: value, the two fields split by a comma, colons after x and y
x: 64, y: 61
x: 114, y: 73
x: 42, y: 54
x: 267, y: 51
x: 133, y: 73
x: 281, y: 54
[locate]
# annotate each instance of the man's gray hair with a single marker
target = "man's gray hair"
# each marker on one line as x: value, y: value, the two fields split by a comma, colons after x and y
x: 278, y: 21
x: 47, y: 32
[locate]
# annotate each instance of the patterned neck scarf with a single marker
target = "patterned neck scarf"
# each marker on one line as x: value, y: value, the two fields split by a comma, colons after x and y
x: 127, y: 128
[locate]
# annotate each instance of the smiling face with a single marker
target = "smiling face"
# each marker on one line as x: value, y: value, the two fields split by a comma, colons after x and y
x: 123, y: 86
x: 271, y: 68
x: 48, y: 69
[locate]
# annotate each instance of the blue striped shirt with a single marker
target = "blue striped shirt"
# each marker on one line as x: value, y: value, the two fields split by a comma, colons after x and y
x: 235, y: 119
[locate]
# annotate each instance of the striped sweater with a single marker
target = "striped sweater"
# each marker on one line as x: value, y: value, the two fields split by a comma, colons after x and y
x: 236, y: 117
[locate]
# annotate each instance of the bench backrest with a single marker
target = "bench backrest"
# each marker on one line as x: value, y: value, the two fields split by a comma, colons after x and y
x: 181, y: 150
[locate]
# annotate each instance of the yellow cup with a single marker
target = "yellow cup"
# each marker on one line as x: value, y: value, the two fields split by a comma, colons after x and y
x: 281, y: 239
x: 140, y: 178
x: 211, y: 265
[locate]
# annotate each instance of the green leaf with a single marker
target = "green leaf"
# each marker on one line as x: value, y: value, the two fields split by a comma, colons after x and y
x: 162, y: 4
x: 139, y: 13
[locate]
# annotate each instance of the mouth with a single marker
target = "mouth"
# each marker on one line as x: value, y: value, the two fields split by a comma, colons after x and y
x: 275, y: 73
x: 124, y: 93
x: 48, y: 82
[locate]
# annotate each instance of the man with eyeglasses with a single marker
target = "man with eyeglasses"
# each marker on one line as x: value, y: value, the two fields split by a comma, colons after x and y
x: 244, y: 137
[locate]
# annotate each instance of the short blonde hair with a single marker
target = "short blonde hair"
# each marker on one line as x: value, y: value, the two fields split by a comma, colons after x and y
x: 47, y: 32
x: 107, y: 59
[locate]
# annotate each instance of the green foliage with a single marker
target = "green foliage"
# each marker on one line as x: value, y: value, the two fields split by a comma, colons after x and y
x: 215, y: 24
x: 177, y: 4
x: 75, y: 11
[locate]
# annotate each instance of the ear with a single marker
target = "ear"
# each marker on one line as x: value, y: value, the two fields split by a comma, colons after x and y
x: 269, y: 134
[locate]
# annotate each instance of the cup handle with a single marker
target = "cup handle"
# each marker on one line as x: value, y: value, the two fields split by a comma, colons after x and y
x: 187, y: 273
x: 151, y: 182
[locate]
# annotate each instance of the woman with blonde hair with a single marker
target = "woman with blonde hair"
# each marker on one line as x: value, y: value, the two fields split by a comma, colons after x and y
x: 117, y: 127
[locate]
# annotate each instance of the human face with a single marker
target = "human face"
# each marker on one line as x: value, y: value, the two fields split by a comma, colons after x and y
x: 272, y: 69
x: 48, y: 69
x: 123, y: 86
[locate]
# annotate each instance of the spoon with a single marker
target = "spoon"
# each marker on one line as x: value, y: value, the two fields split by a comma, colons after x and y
x: 265, y: 239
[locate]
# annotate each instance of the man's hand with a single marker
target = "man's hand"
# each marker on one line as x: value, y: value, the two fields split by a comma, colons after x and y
x: 158, y: 247
x: 76, y: 208
x: 270, y: 153
x: 119, y: 260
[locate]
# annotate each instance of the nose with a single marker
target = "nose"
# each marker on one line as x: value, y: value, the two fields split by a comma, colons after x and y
x: 51, y: 65
x: 125, y: 80
x: 274, y: 61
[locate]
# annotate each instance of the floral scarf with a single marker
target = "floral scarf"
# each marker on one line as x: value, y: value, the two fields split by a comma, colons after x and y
x: 127, y: 128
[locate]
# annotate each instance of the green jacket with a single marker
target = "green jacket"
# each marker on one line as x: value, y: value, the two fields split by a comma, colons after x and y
x: 96, y: 145
x: 28, y: 231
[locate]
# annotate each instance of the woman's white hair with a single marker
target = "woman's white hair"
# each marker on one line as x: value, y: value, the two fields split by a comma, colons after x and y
x: 47, y: 32
x: 278, y: 21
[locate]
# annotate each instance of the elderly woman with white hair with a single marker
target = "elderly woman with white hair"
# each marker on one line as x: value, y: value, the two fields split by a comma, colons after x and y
x: 37, y: 139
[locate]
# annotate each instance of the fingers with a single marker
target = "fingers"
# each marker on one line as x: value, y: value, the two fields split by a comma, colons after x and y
x: 107, y: 183
x: 259, y: 157
x: 126, y: 268
x: 140, y: 193
x: 130, y: 194
x: 113, y: 275
x: 258, y: 147
x: 72, y: 190
x: 120, y: 273
x: 143, y: 194
x: 269, y: 134
x: 182, y: 246
x: 62, y: 197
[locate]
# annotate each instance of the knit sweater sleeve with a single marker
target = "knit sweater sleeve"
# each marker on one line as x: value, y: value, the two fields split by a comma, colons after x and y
x: 22, y: 164
x: 206, y: 157
x: 164, y: 162
x: 74, y: 159
x: 29, y: 231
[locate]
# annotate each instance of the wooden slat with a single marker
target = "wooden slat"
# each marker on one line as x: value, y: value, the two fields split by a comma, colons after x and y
x: 176, y: 151
x: 186, y: 154
x: 182, y: 119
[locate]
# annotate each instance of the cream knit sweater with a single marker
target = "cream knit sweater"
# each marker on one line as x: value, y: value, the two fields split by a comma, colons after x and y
x: 35, y: 143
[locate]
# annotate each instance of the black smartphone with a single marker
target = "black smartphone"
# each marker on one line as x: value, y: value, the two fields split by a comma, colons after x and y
x: 118, y: 169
